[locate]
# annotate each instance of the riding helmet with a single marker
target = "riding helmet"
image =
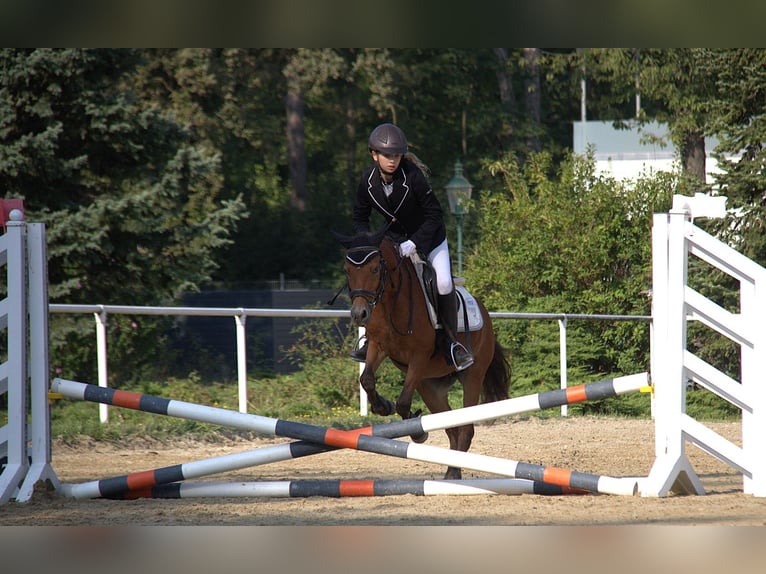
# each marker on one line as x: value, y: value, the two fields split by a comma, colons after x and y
x: 388, y: 138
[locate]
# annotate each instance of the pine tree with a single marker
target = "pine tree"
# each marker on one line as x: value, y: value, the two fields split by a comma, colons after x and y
x: 130, y: 201
x: 738, y: 122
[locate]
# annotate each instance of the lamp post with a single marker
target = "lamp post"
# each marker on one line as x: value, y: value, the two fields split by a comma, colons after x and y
x: 459, y: 195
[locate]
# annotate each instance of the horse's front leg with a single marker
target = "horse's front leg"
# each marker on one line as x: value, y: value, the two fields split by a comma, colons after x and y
x: 378, y: 404
x: 404, y: 402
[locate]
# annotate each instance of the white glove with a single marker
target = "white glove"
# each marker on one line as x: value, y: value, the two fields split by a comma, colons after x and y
x: 407, y: 248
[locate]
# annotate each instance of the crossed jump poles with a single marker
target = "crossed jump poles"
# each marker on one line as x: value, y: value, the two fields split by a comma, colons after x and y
x: 380, y: 439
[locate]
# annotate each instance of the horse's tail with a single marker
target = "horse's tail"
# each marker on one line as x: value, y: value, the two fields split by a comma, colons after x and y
x: 498, y: 377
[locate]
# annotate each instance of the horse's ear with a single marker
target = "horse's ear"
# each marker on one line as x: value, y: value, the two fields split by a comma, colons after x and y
x: 344, y: 240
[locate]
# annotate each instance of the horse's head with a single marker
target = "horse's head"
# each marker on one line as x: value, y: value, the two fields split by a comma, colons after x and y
x: 365, y: 268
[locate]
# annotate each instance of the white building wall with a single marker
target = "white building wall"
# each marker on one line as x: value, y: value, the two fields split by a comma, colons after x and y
x: 629, y: 153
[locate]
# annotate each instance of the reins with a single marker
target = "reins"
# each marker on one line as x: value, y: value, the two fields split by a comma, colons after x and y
x: 411, y: 310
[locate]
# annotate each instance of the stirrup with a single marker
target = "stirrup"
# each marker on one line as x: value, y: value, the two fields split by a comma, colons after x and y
x: 460, y: 356
x: 360, y: 355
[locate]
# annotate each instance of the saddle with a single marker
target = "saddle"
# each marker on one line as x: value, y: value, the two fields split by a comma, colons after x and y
x: 468, y: 315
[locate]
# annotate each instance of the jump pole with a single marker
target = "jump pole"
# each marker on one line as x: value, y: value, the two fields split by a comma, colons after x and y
x: 151, y: 483
x: 437, y: 421
x: 118, y: 486
x: 571, y: 395
x: 348, y: 488
x: 365, y: 439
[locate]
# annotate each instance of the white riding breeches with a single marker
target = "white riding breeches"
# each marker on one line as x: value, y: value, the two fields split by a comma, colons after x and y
x: 440, y: 260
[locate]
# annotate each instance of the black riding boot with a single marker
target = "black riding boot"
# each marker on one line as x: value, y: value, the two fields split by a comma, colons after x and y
x: 360, y: 354
x: 457, y: 354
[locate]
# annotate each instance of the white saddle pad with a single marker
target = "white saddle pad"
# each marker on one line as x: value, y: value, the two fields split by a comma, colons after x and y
x: 475, y: 320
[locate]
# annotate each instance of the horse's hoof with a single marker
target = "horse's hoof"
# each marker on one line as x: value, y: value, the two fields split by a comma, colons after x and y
x: 453, y: 473
x: 385, y: 408
x: 419, y: 438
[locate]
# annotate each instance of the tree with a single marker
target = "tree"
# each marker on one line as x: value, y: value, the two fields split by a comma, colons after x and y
x: 738, y: 121
x: 532, y: 95
x: 574, y: 243
x: 161, y: 171
x: 130, y: 202
x: 307, y: 72
x: 676, y: 87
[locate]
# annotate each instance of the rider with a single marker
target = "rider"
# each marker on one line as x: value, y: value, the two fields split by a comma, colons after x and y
x: 396, y: 186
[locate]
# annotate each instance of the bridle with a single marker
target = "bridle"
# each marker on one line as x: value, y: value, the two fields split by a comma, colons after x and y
x: 359, y: 256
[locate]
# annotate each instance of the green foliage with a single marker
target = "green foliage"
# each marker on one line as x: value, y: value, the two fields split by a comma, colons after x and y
x: 138, y: 347
x: 570, y: 241
x: 706, y: 406
x: 735, y: 98
x: 130, y: 202
x: 738, y: 123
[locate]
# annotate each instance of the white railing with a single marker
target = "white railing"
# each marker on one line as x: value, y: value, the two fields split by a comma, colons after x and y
x: 241, y: 314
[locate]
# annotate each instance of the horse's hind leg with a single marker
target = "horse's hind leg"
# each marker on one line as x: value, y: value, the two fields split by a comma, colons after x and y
x: 459, y: 439
x: 435, y: 394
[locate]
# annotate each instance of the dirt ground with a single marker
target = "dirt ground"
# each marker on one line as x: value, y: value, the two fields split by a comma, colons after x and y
x: 613, y: 447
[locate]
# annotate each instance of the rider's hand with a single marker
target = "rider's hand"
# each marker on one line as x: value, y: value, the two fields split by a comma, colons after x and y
x: 407, y: 248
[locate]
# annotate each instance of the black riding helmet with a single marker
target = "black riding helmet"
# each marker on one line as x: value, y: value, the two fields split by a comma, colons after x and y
x: 387, y: 138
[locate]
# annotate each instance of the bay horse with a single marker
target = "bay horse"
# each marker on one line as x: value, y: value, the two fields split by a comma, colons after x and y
x: 388, y: 301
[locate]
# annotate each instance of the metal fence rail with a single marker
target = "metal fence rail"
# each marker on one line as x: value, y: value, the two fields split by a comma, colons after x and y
x: 240, y: 315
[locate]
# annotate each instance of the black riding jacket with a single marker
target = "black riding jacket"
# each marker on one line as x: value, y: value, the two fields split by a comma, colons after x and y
x: 412, y: 206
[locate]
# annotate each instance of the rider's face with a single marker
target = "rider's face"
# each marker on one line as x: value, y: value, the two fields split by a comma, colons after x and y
x: 387, y: 162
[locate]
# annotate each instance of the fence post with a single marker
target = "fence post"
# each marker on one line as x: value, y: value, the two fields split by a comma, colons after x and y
x: 563, y: 359
x: 362, y: 392
x: 103, y: 412
x: 39, y: 433
x: 241, y: 319
x: 13, y: 372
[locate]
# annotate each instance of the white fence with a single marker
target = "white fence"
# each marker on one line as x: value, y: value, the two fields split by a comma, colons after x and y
x: 240, y: 316
x: 25, y: 444
x: 675, y: 303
